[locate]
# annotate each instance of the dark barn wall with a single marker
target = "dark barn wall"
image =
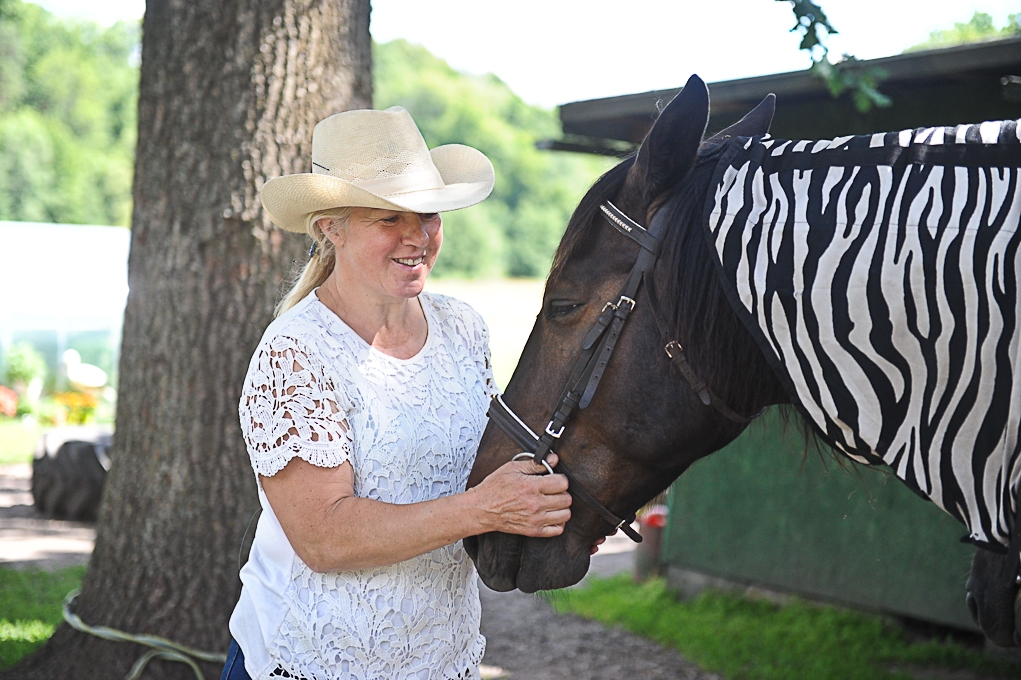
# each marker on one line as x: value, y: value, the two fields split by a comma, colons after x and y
x: 764, y: 512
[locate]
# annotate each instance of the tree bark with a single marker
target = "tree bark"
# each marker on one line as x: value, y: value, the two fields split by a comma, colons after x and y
x: 230, y: 91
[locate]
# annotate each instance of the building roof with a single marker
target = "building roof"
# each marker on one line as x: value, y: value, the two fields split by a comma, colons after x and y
x: 947, y: 86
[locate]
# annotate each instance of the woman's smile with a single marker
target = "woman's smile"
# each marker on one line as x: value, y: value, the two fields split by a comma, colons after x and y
x: 410, y: 262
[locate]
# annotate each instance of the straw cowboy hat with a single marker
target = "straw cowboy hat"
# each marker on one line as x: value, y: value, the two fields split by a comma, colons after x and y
x: 378, y: 159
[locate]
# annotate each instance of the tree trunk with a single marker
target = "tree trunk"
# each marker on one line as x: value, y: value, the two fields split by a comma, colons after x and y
x: 230, y: 91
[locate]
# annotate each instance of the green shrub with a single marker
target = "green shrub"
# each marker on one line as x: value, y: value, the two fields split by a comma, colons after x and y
x: 23, y: 364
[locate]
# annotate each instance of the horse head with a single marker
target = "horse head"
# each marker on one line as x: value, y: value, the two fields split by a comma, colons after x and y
x: 645, y: 424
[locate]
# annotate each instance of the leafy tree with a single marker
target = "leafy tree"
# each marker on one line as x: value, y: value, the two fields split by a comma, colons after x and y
x: 516, y: 230
x: 68, y: 92
x: 978, y: 29
x: 23, y: 364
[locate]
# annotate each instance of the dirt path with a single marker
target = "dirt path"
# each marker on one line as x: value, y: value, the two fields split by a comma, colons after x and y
x: 29, y: 540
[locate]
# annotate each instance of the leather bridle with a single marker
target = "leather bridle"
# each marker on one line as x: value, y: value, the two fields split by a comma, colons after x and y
x: 596, y: 350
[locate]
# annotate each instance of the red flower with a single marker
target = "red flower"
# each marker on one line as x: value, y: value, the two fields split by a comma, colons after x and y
x: 8, y: 401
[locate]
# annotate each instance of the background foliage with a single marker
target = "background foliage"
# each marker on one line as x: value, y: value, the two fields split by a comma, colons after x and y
x: 978, y: 29
x: 68, y: 93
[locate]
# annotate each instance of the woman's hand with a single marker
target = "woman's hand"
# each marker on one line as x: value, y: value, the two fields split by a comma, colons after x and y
x: 518, y: 498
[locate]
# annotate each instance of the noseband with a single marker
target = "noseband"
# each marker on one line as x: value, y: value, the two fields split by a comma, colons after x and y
x: 596, y: 349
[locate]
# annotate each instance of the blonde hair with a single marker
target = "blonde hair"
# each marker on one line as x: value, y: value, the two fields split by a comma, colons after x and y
x: 320, y: 265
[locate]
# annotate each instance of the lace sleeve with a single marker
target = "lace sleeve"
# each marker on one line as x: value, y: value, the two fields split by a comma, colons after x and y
x: 289, y: 408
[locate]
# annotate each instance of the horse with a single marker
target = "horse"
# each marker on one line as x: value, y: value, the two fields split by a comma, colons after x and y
x: 696, y: 350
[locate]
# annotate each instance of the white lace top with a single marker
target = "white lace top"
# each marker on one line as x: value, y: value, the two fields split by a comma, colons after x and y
x: 410, y: 429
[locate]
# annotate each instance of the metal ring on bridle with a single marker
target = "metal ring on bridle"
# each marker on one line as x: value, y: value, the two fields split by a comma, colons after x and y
x: 526, y: 454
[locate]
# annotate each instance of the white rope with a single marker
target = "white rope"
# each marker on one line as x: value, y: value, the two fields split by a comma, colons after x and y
x: 162, y: 648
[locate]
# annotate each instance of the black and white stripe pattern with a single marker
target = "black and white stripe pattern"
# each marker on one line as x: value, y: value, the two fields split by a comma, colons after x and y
x: 880, y: 275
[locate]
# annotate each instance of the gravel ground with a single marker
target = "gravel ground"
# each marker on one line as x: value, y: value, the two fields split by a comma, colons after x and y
x: 526, y: 639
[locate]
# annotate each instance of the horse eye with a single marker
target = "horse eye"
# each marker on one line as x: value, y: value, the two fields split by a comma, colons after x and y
x: 559, y: 308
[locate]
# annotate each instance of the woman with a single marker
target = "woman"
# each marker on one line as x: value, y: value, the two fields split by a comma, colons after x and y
x: 362, y: 411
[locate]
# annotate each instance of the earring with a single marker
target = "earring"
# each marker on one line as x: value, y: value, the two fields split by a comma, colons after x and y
x: 312, y: 250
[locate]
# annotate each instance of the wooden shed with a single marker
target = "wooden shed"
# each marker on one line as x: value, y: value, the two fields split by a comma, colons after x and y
x: 964, y: 84
x: 763, y: 512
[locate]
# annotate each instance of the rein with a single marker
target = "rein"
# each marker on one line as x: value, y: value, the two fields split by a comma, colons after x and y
x: 596, y: 350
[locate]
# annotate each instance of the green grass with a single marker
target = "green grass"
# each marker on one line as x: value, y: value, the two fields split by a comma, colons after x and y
x: 30, y: 608
x: 17, y: 442
x: 746, y: 639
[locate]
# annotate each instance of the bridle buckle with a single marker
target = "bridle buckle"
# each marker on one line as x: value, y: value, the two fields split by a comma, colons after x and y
x: 550, y: 432
x: 624, y: 299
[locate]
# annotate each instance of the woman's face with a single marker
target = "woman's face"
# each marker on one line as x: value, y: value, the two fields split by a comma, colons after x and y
x: 388, y: 251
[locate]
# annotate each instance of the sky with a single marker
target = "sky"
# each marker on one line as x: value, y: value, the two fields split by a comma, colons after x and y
x: 98, y: 299
x: 555, y: 51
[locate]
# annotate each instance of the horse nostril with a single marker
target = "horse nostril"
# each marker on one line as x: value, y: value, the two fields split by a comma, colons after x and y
x: 973, y: 608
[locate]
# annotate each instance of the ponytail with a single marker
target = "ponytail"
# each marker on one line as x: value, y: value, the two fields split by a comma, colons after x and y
x: 321, y: 262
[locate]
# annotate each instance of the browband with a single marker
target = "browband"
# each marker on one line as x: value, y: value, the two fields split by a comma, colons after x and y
x: 630, y: 228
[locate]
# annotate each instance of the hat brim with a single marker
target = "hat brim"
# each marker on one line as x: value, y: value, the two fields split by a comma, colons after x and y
x: 466, y: 172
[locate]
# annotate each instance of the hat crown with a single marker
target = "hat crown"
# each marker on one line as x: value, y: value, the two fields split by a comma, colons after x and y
x: 377, y: 159
x: 374, y: 149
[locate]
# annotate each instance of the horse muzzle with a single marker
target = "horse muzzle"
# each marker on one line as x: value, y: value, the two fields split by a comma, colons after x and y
x: 508, y: 561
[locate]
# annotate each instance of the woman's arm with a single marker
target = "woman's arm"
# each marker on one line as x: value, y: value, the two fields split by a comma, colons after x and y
x: 331, y: 529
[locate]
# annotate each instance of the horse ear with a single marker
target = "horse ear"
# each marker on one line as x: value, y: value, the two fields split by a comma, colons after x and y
x: 755, y: 122
x: 670, y: 148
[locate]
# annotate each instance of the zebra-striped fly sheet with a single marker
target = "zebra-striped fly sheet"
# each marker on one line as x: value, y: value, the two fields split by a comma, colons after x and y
x: 880, y: 276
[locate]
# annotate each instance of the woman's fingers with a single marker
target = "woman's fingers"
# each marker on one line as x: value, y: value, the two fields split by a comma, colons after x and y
x: 553, y: 524
x: 553, y: 484
x: 557, y: 501
x: 557, y: 516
